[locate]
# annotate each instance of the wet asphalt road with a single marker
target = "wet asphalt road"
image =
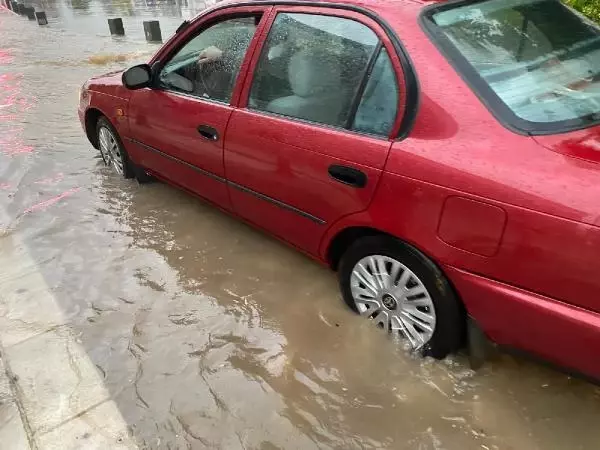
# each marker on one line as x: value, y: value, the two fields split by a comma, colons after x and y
x: 197, y: 330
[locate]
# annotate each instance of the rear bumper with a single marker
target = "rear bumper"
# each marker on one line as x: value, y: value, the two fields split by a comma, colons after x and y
x: 561, y: 333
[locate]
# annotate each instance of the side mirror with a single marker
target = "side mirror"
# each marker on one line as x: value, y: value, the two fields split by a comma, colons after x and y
x: 137, y: 77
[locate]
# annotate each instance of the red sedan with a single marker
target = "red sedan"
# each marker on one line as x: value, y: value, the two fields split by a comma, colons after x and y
x: 441, y: 156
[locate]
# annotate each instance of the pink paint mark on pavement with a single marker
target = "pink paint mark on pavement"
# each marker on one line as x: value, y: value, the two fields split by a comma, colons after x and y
x: 50, y: 202
x: 13, y: 106
x: 12, y: 145
x: 5, y: 56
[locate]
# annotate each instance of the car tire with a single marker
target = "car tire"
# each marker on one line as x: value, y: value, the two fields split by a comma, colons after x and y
x: 384, y: 258
x: 141, y: 175
x: 112, y: 150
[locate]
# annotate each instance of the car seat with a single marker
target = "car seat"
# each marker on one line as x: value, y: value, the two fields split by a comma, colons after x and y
x: 316, y: 85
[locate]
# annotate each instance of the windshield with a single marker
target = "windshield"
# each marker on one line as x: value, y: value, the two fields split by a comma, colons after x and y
x: 539, y: 59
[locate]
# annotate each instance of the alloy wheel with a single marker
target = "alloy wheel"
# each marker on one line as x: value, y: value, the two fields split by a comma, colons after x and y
x: 110, y: 150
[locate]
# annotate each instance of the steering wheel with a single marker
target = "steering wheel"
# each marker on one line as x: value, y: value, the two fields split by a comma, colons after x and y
x: 205, y: 80
x: 208, y: 78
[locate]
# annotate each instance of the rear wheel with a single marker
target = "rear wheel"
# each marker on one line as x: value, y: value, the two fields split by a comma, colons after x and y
x: 111, y: 149
x: 402, y: 292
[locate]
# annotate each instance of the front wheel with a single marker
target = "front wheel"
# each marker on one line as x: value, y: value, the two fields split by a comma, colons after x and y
x: 402, y: 292
x: 111, y: 149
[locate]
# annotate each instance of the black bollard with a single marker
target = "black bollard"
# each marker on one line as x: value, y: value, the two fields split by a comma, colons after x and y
x: 21, y: 9
x: 41, y: 18
x: 116, y: 27
x: 152, y: 31
x: 30, y: 12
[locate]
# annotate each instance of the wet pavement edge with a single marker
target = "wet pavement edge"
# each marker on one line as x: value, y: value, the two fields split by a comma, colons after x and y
x: 51, y: 394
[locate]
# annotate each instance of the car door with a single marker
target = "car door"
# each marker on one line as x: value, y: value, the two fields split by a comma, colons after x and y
x: 309, y: 142
x: 177, y: 127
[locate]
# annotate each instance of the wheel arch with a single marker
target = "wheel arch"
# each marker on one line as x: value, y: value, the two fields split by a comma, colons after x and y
x: 348, y: 236
x: 345, y: 237
x: 92, y: 115
x: 349, y: 229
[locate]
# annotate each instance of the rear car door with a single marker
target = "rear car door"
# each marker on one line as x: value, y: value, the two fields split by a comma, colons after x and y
x: 177, y: 127
x: 309, y: 142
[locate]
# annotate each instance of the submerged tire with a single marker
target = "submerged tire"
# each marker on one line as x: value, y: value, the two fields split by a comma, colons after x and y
x: 141, y: 175
x: 112, y: 150
x: 403, y: 292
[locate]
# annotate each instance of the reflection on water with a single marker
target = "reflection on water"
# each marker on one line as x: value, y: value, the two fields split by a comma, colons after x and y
x: 207, y: 333
x: 88, y: 17
x: 68, y: 11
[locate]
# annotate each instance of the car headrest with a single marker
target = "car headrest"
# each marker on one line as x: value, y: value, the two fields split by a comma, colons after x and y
x: 313, y: 73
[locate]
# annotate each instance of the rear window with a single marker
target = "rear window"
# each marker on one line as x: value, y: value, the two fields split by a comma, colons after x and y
x: 534, y: 63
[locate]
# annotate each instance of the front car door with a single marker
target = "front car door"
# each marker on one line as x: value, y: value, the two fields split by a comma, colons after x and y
x: 178, y: 126
x: 317, y: 114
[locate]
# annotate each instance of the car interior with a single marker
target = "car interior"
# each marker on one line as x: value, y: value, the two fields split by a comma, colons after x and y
x: 308, y: 73
x: 214, y: 79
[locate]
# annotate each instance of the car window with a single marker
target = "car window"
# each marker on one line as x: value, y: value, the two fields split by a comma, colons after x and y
x: 378, y: 106
x: 539, y: 59
x: 207, y: 65
x: 312, y: 67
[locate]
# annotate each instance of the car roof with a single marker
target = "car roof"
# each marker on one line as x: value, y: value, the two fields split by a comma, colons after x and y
x: 374, y: 5
x: 357, y: 2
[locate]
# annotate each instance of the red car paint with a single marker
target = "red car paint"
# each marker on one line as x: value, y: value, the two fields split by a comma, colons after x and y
x: 513, y: 220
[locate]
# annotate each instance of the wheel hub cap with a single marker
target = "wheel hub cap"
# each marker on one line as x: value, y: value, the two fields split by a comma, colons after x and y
x: 389, y: 301
x: 394, y: 298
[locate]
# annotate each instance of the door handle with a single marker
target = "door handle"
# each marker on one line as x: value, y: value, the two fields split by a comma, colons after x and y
x: 208, y: 132
x: 348, y: 175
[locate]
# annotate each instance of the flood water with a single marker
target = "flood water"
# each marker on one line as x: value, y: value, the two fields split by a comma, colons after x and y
x: 206, y: 332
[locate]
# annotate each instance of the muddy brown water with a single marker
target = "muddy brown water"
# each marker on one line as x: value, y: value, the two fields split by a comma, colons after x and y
x: 208, y: 333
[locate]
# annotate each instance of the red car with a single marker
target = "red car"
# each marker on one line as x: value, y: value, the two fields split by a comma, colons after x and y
x: 441, y: 156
